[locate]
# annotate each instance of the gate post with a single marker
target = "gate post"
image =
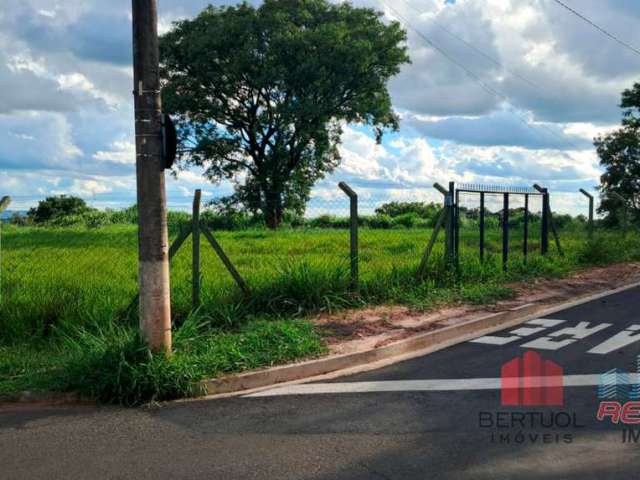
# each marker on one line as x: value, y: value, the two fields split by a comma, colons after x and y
x: 353, y: 229
x: 590, y: 197
x: 505, y: 232
x: 544, y: 240
x: 453, y: 223
x: 525, y: 243
x: 448, y: 219
x: 481, y: 226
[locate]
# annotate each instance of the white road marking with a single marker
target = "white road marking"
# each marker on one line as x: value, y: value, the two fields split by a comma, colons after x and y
x: 426, y: 385
x: 547, y: 343
x: 539, y: 324
x: 546, y: 322
x: 493, y: 340
x: 579, y: 332
x: 526, y: 331
x: 622, y: 339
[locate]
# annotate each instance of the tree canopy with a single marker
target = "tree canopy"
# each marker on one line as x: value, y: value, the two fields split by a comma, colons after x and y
x: 260, y: 95
x: 619, y: 154
x: 56, y: 207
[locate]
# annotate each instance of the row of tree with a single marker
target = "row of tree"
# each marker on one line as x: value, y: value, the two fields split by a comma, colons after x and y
x: 66, y: 211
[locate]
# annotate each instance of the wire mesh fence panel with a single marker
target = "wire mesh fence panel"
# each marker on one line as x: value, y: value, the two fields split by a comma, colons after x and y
x: 516, y: 228
x: 469, y: 225
x: 534, y: 237
x: 67, y: 271
x: 494, y: 207
x: 306, y: 254
x: 392, y: 242
x: 180, y: 268
x: 61, y: 277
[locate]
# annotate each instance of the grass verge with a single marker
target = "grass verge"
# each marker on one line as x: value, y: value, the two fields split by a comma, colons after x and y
x: 114, y: 365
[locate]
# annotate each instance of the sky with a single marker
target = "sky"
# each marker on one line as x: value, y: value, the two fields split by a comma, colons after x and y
x: 513, y: 93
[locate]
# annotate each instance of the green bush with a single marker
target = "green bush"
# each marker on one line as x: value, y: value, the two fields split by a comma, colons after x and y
x: 419, y: 209
x: 407, y: 220
x: 596, y: 251
x: 378, y: 221
x: 126, y: 216
x: 57, y: 207
x: 328, y: 221
x: 20, y: 220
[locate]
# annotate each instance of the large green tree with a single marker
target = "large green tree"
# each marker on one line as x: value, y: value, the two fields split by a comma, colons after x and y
x: 619, y: 154
x: 261, y: 94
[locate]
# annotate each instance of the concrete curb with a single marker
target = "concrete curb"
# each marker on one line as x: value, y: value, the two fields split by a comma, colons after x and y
x: 395, y: 352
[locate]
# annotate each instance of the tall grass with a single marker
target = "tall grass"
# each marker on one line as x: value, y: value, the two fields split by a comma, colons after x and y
x: 69, y: 277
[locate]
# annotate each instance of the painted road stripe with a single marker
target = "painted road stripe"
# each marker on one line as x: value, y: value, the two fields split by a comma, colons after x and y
x: 430, y: 385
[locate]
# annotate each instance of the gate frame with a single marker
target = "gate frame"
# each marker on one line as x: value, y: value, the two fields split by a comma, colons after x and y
x: 505, y: 191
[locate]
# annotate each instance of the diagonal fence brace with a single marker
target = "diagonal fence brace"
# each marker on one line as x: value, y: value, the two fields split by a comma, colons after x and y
x: 422, y: 269
x: 223, y: 257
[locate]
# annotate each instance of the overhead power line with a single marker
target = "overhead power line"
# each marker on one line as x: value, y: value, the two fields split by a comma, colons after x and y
x: 598, y: 27
x: 476, y: 49
x: 488, y: 88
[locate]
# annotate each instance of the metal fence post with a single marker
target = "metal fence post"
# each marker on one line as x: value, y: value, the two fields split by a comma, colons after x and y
x: 195, y: 228
x: 456, y: 243
x: 451, y: 251
x: 505, y: 232
x: 544, y: 234
x: 525, y: 240
x: 4, y: 203
x: 353, y: 229
x: 590, y: 197
x: 482, y: 227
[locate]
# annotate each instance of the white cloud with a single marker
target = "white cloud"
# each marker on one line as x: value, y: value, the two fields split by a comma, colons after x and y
x: 87, y: 188
x: 22, y: 136
x: 122, y: 151
x: 78, y: 82
x: 57, y: 75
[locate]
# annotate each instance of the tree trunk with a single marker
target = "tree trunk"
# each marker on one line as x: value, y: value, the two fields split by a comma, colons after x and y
x: 273, y: 209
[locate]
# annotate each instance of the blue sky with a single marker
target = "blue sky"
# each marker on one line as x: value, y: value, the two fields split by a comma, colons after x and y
x: 548, y: 83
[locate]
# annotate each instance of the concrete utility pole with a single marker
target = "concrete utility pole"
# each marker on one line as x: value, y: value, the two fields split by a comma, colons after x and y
x: 153, y: 238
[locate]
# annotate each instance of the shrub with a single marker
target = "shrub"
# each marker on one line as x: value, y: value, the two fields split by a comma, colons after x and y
x: 378, y: 221
x: 56, y: 207
x: 128, y: 215
x: 407, y: 220
x: 20, y: 220
x: 329, y: 221
x: 596, y: 251
x: 396, y: 209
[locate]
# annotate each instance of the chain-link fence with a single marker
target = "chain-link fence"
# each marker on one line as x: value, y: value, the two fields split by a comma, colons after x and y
x: 60, y: 276
x: 498, y: 227
x: 85, y: 269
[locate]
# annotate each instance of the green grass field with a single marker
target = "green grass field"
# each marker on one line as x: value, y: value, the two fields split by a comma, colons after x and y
x: 65, y: 293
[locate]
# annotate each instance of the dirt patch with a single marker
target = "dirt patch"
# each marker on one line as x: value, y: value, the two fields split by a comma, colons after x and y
x: 355, y: 330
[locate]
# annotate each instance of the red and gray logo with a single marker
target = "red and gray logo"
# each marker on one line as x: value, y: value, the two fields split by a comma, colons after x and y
x: 531, y: 381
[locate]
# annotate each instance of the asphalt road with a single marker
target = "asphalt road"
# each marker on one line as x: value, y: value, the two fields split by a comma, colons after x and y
x: 431, y: 417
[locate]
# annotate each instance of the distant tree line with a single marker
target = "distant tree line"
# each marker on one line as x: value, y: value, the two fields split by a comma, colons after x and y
x: 69, y: 211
